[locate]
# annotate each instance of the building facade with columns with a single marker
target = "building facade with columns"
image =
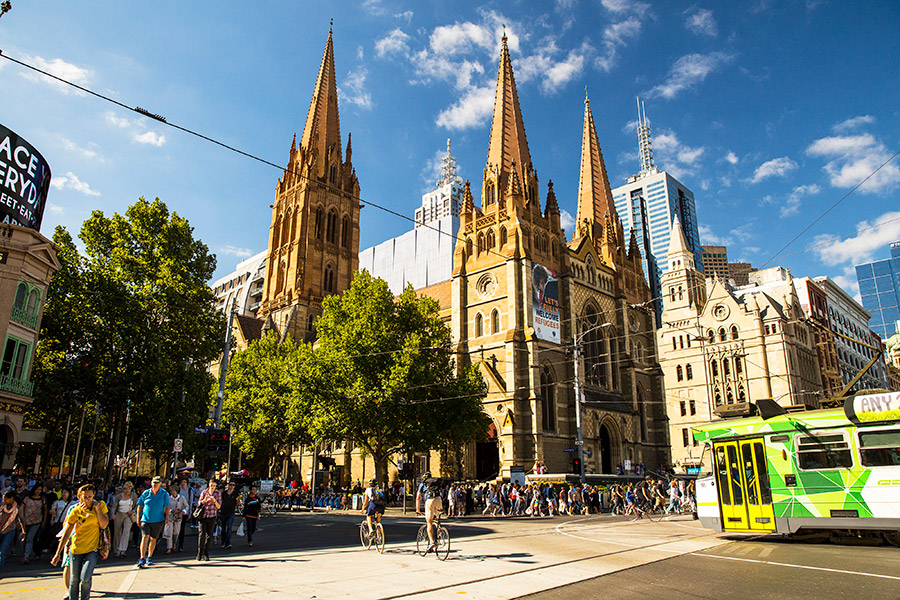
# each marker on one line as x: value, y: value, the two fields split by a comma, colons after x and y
x: 723, y: 347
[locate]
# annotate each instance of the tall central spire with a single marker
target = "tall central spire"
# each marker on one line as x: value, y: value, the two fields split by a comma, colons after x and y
x: 323, y: 127
x: 645, y: 144
x: 508, y: 145
x: 595, y: 202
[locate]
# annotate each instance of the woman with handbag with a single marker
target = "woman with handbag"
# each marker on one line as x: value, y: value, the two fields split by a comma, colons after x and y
x: 177, y: 510
x: 123, y: 508
x: 34, y: 514
x: 86, y: 524
x: 9, y: 523
x: 207, y: 510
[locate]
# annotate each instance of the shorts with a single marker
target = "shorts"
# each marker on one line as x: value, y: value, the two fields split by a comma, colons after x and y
x: 154, y: 530
x: 433, y: 508
x: 372, y: 508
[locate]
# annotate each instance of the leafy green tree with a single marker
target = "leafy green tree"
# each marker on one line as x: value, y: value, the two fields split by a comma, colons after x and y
x: 382, y: 376
x: 259, y: 388
x: 131, y: 323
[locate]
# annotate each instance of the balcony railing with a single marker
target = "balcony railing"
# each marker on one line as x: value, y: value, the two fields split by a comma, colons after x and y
x: 21, y: 316
x: 17, y: 386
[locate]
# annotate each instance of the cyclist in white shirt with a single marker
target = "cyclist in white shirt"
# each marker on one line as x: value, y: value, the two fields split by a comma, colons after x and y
x: 374, y: 503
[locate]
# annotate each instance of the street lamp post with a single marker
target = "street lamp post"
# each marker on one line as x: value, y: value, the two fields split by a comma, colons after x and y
x: 579, y: 439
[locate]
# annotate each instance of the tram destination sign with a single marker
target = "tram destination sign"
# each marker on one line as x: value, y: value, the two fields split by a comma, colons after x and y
x: 24, y: 181
x: 873, y: 408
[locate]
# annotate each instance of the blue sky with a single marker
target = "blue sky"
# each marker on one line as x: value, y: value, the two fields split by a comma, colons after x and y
x: 769, y: 111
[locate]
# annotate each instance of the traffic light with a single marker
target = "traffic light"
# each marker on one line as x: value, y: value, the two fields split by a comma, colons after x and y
x: 216, y: 441
x: 576, y: 466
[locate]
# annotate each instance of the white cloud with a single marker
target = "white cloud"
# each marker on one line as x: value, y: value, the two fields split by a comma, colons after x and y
x: 675, y: 156
x: 625, y: 6
x: 702, y: 22
x: 792, y: 204
x: 561, y: 73
x: 616, y: 36
x: 235, y: 251
x: 853, y: 123
x: 871, y: 238
x: 731, y: 157
x: 354, y: 89
x: 472, y: 110
x: 85, y: 152
x: 708, y: 238
x: 777, y: 167
x: 113, y: 119
x: 70, y: 181
x: 687, y: 72
x: 60, y: 68
x: 460, y: 37
x: 56, y: 209
x: 406, y: 15
x: 853, y: 158
x: 394, y: 42
x: 567, y: 221
x: 149, y: 137
x: 373, y: 6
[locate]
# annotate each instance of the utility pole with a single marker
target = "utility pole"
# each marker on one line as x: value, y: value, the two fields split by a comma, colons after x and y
x: 65, y: 440
x: 78, y: 445
x: 579, y: 439
x: 224, y: 366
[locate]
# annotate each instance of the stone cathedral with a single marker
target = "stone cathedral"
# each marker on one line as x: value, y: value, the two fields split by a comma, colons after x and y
x: 521, y: 296
x: 314, y: 237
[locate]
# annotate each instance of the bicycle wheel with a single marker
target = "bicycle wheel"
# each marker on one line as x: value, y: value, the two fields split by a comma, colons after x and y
x: 364, y: 537
x: 379, y: 538
x: 442, y: 543
x: 422, y: 540
x: 656, y: 514
x: 634, y: 515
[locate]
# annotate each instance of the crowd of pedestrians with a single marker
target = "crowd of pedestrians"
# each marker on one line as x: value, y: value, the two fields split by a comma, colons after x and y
x: 73, y: 524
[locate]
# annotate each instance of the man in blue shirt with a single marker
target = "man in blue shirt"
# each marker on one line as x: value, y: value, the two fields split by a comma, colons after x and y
x: 153, y: 512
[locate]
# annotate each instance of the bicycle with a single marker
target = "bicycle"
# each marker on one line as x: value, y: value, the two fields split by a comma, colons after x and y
x: 367, y: 539
x: 269, y: 506
x: 654, y: 513
x: 441, y: 540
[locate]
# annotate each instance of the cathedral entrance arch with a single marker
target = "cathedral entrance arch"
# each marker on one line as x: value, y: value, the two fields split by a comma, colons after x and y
x: 608, y: 447
x: 487, y: 456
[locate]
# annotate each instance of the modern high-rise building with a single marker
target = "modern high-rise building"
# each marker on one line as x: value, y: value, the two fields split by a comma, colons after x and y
x: 423, y: 256
x: 715, y: 260
x: 879, y: 285
x: 649, y: 203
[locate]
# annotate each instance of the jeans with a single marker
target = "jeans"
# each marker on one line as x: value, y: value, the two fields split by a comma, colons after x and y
x: 30, y: 535
x: 207, y: 531
x: 6, y: 541
x: 250, y: 528
x: 227, y: 521
x: 81, y: 571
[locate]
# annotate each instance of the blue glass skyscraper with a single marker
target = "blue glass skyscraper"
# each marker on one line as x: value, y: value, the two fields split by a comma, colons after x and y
x: 879, y: 285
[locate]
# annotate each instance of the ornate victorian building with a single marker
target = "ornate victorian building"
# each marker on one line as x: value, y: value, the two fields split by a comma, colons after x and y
x: 314, y: 237
x: 722, y: 347
x: 521, y: 297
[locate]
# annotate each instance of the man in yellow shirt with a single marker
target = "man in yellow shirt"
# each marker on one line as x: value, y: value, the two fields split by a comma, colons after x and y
x: 84, y: 524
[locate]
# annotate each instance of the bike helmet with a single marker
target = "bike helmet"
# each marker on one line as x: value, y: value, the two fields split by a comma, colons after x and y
x: 426, y: 475
x: 373, y: 482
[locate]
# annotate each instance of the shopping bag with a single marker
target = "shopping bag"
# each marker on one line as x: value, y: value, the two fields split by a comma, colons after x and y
x: 240, y: 531
x: 167, y: 530
x: 218, y: 531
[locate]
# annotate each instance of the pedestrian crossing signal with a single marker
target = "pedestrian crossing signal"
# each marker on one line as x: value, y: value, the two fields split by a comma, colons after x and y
x: 217, y: 440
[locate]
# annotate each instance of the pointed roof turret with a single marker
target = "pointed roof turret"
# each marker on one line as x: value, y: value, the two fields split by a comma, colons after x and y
x: 678, y: 245
x: 323, y: 127
x: 508, y: 145
x: 595, y: 201
x: 552, y: 205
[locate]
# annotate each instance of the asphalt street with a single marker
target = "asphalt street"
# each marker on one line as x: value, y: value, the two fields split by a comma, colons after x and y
x: 319, y: 556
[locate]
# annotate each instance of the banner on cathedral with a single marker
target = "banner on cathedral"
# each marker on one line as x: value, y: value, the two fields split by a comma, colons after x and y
x: 24, y: 181
x: 545, y: 302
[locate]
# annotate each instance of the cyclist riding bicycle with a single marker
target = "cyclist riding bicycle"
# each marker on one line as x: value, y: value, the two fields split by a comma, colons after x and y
x: 430, y: 492
x: 374, y: 501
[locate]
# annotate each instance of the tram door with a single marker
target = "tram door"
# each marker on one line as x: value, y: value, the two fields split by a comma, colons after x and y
x: 743, y: 482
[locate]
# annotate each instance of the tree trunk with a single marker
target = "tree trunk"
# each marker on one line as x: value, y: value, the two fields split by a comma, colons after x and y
x: 348, y: 463
x: 113, y: 450
x: 380, y: 458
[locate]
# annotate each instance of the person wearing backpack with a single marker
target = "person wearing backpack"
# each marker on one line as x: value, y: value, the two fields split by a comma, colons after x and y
x: 374, y: 501
x: 430, y: 492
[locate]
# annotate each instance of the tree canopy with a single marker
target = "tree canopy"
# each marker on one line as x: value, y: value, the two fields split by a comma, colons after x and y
x: 130, y: 323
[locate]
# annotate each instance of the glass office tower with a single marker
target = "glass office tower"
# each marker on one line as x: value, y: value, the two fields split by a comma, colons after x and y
x: 879, y: 285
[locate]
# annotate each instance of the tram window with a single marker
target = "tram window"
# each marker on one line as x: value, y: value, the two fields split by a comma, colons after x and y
x: 879, y: 448
x: 749, y: 473
x: 722, y: 475
x: 735, y: 469
x: 765, y: 493
x: 824, y: 451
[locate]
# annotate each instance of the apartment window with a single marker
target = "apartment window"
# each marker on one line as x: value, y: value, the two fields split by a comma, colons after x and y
x: 685, y: 436
x: 683, y: 408
x: 693, y: 407
x: 679, y: 373
x: 26, y: 305
x: 689, y: 372
x: 15, y: 359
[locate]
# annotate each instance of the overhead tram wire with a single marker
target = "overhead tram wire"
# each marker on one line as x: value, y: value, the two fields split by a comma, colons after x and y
x: 832, y: 207
x: 144, y: 112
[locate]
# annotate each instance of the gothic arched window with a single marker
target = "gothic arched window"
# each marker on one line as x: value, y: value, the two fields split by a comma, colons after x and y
x: 502, y: 236
x: 490, y: 239
x: 328, y: 282
x: 319, y: 223
x: 714, y: 365
x: 548, y: 400
x: 479, y: 325
x: 495, y: 321
x: 468, y: 247
x: 679, y: 374
x: 345, y: 232
x: 331, y: 229
x: 722, y: 335
x: 595, y: 347
x: 480, y: 243
x: 734, y: 332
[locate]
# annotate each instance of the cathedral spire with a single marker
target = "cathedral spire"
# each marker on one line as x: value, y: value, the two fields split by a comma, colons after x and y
x: 323, y: 127
x: 595, y: 202
x: 508, y: 145
x: 678, y: 247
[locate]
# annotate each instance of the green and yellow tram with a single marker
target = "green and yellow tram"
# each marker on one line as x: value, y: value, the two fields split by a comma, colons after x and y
x: 834, y: 471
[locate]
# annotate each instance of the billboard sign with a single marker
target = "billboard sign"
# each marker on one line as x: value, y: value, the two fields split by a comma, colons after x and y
x: 545, y: 302
x: 24, y: 181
